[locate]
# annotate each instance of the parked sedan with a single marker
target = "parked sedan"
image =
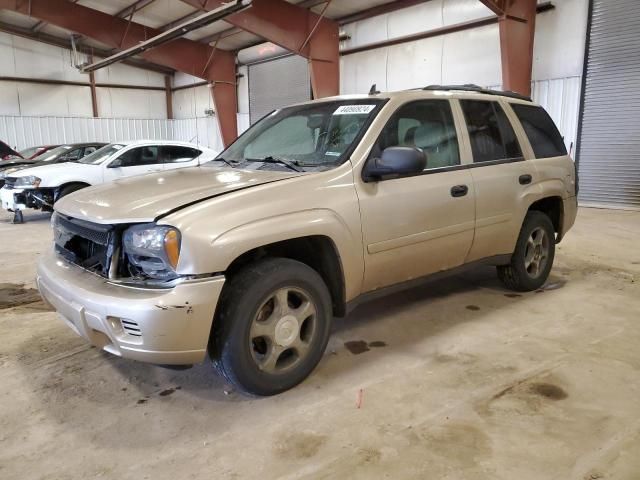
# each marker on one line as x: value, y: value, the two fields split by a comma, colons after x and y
x: 40, y: 187
x: 64, y: 153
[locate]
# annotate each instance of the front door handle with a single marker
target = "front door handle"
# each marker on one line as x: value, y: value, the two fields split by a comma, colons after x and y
x: 459, y: 191
x: 525, y: 179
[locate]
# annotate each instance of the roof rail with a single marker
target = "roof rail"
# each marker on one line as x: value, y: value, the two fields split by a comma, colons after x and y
x: 469, y: 87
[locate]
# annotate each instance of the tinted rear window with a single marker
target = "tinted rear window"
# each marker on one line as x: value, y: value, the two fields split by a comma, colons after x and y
x: 543, y: 134
x: 492, y: 136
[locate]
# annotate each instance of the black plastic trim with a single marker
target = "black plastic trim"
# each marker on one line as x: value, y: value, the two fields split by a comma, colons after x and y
x: 453, y: 168
x: 495, y: 260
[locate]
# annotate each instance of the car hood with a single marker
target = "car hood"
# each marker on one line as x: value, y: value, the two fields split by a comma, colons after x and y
x: 45, y: 169
x: 147, y: 197
x: 18, y: 162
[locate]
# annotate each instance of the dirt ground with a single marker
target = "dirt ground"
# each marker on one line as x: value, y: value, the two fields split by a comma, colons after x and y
x: 458, y: 379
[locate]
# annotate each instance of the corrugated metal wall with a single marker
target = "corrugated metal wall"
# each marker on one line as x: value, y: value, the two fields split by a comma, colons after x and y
x: 561, y: 98
x: 277, y: 83
x: 23, y: 132
x: 609, y: 151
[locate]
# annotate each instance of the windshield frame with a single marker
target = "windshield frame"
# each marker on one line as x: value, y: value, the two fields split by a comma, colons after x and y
x: 346, y: 154
x: 104, y: 147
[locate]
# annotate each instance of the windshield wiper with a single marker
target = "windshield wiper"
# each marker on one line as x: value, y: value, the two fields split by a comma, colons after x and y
x: 231, y: 163
x: 270, y: 159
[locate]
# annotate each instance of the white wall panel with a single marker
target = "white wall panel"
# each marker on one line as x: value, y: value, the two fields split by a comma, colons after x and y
x: 560, y: 38
x: 415, y: 64
x: 425, y: 16
x: 472, y: 56
x: 183, y: 79
x: 367, y: 31
x: 459, y: 11
x: 129, y: 103
x: 7, y: 59
x: 43, y: 100
x: 192, y: 102
x: 9, y: 102
x: 122, y: 74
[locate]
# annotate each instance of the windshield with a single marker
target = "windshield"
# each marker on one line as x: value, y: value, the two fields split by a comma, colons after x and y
x: 29, y: 152
x: 101, y: 154
x: 312, y: 135
x: 52, y: 154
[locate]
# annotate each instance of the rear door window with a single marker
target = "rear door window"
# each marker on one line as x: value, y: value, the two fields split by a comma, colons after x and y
x: 543, y: 135
x: 491, y: 134
x: 179, y: 154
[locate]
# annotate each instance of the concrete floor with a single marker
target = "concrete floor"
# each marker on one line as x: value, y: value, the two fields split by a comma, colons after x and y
x: 460, y: 379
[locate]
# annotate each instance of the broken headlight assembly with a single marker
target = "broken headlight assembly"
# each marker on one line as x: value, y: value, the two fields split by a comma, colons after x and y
x: 153, y: 250
x: 28, y: 181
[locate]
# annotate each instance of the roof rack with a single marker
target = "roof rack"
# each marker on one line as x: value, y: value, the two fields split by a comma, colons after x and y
x: 469, y: 87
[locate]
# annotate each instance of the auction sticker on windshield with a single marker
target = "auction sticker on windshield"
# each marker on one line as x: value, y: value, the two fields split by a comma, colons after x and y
x: 354, y: 109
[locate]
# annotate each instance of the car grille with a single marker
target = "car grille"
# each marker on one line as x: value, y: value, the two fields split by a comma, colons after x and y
x: 89, y: 245
x: 10, y: 182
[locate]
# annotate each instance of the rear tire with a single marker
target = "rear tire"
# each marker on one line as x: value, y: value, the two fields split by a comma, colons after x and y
x: 272, y: 327
x: 533, y: 257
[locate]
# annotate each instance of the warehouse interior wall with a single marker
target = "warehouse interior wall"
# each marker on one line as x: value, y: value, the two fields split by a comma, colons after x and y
x: 469, y: 56
x: 39, y: 114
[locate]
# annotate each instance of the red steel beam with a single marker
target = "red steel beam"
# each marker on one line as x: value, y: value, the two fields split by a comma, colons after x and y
x: 298, y: 30
x: 188, y: 56
x: 517, y: 23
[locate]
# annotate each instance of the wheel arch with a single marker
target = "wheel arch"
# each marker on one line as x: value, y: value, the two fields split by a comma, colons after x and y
x: 553, y: 207
x: 316, y: 251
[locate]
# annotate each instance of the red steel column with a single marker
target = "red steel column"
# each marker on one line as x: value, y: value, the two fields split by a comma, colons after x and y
x: 517, y: 23
x: 298, y: 30
x: 517, y: 32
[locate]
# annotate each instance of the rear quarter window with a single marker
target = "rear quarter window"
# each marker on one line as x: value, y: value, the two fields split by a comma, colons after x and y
x: 544, y: 137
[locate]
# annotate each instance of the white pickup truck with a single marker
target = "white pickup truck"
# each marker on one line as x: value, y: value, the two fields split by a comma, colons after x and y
x: 40, y: 187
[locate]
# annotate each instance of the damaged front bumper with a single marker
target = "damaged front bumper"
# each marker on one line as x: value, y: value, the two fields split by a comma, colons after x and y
x: 165, y: 326
x: 15, y: 199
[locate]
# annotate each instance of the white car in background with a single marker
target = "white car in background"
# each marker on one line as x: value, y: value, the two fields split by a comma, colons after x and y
x: 40, y: 187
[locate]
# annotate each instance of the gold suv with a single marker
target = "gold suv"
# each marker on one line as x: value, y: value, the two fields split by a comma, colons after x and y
x: 315, y: 208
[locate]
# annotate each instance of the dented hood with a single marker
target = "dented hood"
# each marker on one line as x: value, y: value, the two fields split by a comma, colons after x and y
x: 144, y: 198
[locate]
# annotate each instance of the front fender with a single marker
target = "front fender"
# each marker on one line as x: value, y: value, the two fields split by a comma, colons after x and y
x: 228, y: 246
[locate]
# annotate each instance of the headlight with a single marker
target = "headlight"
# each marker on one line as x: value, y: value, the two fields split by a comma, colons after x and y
x: 28, y: 181
x: 154, y: 249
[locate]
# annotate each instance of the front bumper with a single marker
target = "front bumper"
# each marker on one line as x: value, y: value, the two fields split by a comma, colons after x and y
x: 13, y: 199
x: 165, y: 326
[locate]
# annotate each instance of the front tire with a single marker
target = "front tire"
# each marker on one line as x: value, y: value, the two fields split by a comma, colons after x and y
x: 272, y: 327
x: 533, y: 257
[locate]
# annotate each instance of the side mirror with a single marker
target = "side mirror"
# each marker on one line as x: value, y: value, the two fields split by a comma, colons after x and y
x: 115, y: 164
x: 395, y: 162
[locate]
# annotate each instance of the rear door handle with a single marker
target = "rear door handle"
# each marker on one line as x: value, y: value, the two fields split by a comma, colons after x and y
x: 525, y: 179
x: 459, y: 191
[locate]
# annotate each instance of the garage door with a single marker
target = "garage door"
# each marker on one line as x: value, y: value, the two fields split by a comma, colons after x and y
x: 277, y: 83
x: 609, y: 142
